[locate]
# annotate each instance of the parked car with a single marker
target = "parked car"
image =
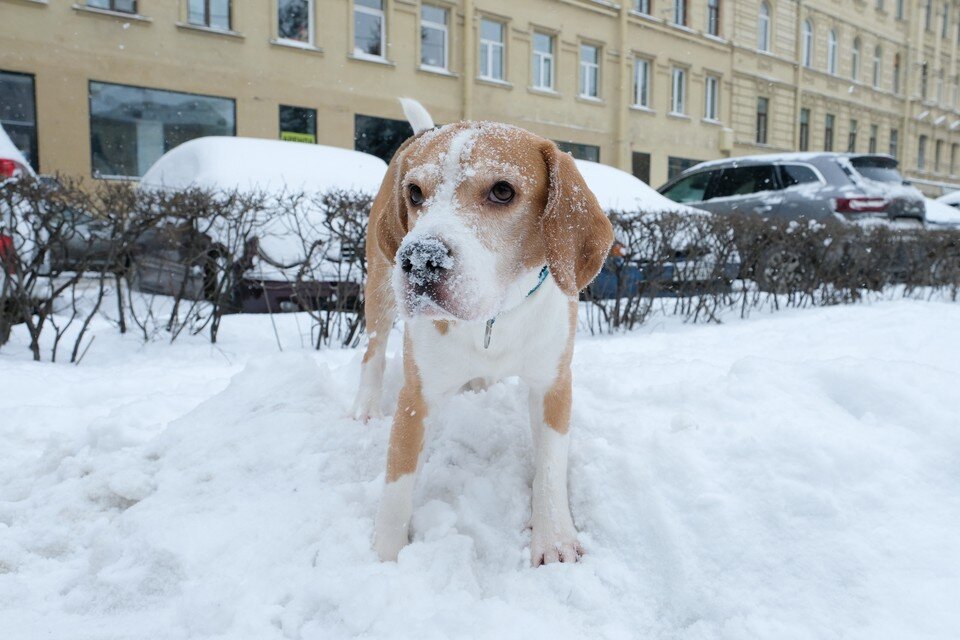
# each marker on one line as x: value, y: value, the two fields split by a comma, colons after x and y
x: 273, y: 278
x: 862, y: 189
x: 944, y: 212
x: 679, y: 266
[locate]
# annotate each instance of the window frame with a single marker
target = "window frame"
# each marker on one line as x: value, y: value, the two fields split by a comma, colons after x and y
x: 763, y: 120
x: 803, y: 133
x: 829, y: 128
x: 311, y: 18
x: 873, y: 140
x: 436, y: 26
x: 713, y: 18
x: 113, y: 7
x: 833, y: 46
x: 381, y: 13
x: 922, y: 152
x: 539, y: 57
x: 585, y: 69
x: 280, y: 131
x: 678, y: 73
x: 877, y: 67
x: 206, y: 16
x: 711, y: 98
x: 807, y: 42
x: 852, y: 132
x: 679, y: 17
x: 855, y: 59
x: 34, y: 160
x: 764, y: 22
x: 638, y: 7
x: 647, y: 64
x: 490, y: 45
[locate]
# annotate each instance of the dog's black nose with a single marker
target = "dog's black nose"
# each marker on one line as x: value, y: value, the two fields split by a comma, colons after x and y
x: 425, y: 258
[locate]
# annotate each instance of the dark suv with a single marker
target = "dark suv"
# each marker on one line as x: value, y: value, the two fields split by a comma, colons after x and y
x: 815, y: 186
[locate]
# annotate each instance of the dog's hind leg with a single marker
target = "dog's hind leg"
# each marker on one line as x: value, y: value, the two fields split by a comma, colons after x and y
x: 380, y: 311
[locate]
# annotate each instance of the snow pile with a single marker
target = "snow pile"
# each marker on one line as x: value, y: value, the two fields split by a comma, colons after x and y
x: 942, y: 214
x: 618, y: 190
x: 789, y: 476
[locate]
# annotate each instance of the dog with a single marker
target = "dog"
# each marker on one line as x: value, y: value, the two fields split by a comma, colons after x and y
x: 482, y: 235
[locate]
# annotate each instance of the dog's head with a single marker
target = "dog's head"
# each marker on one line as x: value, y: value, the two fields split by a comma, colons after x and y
x: 470, y: 212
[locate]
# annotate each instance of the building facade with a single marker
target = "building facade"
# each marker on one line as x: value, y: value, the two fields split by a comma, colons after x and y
x: 101, y: 88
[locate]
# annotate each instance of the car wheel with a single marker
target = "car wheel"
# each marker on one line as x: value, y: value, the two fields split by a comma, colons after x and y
x: 782, y: 269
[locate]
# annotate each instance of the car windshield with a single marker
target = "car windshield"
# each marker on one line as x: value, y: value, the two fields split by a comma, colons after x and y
x: 877, y: 168
x: 689, y: 189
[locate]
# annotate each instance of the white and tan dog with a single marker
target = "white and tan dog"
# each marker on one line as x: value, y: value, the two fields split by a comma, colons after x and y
x: 476, y: 222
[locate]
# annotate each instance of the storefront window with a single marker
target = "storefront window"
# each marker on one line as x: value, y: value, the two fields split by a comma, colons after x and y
x: 298, y: 124
x: 580, y: 151
x: 18, y: 113
x: 380, y: 137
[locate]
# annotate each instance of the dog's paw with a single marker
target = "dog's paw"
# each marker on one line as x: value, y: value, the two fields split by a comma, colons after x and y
x: 366, y: 409
x: 547, y: 545
x: 388, y: 545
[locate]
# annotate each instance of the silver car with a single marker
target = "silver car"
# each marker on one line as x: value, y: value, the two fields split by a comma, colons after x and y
x: 848, y: 186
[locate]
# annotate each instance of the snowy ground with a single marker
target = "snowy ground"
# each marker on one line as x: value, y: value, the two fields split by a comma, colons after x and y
x: 796, y: 475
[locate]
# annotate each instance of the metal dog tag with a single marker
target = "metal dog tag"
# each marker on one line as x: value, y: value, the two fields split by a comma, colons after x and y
x: 487, y: 333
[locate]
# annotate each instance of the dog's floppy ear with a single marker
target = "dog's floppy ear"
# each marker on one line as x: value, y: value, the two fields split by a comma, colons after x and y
x: 576, y: 232
x: 388, y: 214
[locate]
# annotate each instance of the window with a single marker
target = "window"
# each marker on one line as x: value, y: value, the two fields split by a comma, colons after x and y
x: 763, y: 28
x: 711, y: 91
x: 214, y: 14
x: 131, y: 127
x: 803, y: 144
x: 380, y: 137
x: 922, y: 153
x: 676, y: 166
x: 678, y: 100
x: 828, y: 132
x: 369, y: 39
x: 298, y: 124
x: 940, y: 86
x: 641, y: 166
x: 879, y: 5
x: 953, y: 158
x: 894, y: 143
x: 852, y: 137
x: 295, y: 20
x: 580, y: 151
x: 542, y: 61
x: 121, y: 6
x: 877, y: 69
x: 855, y: 60
x: 18, y: 113
x: 945, y: 23
x: 937, y: 152
x: 872, y: 143
x: 491, y: 49
x: 713, y: 17
x: 680, y: 12
x: 832, y: 52
x: 434, y: 37
x: 807, y: 44
x: 928, y: 15
x: 642, y: 6
x: 641, y: 83
x: 794, y: 174
x: 763, y: 107
x: 896, y: 73
x: 899, y: 9
x: 742, y: 181
x: 924, y: 80
x: 692, y: 188
x: 589, y: 71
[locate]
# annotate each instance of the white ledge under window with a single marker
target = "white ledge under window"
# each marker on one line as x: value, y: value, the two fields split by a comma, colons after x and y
x: 712, y: 121
x: 295, y: 44
x: 440, y: 71
x: 211, y: 30
x: 681, y: 116
x: 544, y: 91
x: 112, y: 14
x: 591, y: 99
x: 366, y: 57
x: 641, y: 108
x: 494, y: 82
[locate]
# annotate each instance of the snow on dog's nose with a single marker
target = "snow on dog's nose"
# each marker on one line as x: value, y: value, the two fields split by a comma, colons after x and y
x: 425, y: 261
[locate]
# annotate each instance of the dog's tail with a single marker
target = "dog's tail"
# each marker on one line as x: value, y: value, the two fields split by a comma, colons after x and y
x: 418, y: 117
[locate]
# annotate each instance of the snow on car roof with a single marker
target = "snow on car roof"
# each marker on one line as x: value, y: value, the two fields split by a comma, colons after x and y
x: 227, y: 163
x: 951, y: 198
x: 618, y: 190
x: 941, y: 213
x: 9, y: 151
x: 796, y: 156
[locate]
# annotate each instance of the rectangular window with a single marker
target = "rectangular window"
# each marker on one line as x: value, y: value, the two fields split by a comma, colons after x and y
x: 763, y: 107
x: 131, y: 127
x: 380, y: 137
x: 641, y: 83
x: 804, y: 142
x: 369, y: 33
x: 895, y: 143
x: 589, y: 71
x: 678, y: 99
x: 711, y: 99
x: 945, y: 22
x: 18, y: 113
x: 937, y: 152
x: 828, y: 123
x: 491, y: 49
x: 953, y: 158
x: 214, y: 14
x: 680, y: 12
x: 641, y: 166
x: 295, y: 20
x: 713, y: 17
x: 543, y: 70
x: 676, y: 166
x: 434, y: 37
x: 580, y: 151
x: 872, y: 143
x: 852, y: 137
x: 121, y: 6
x: 298, y: 124
x: 899, y: 9
x: 642, y: 6
x: 922, y: 153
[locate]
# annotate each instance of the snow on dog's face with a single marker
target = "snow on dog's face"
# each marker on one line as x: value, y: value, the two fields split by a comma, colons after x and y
x: 476, y: 210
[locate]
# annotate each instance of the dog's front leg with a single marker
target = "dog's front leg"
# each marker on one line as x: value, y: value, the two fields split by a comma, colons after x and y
x: 391, y: 531
x: 554, y: 537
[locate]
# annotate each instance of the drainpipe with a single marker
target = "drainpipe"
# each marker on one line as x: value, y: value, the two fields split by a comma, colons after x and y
x: 469, y: 61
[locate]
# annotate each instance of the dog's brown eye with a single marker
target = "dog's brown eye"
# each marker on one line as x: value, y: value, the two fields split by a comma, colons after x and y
x: 416, y: 195
x: 501, y: 193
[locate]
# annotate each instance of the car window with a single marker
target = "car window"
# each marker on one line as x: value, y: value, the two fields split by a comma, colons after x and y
x: 877, y: 168
x: 690, y: 189
x: 794, y: 174
x: 738, y: 181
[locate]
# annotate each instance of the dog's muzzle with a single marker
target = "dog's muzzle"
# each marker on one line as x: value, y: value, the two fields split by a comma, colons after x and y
x: 425, y: 262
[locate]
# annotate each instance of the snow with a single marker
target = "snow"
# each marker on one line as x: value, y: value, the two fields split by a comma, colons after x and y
x: 940, y: 213
x: 952, y: 198
x: 230, y: 163
x: 617, y: 190
x: 9, y: 151
x: 794, y: 475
